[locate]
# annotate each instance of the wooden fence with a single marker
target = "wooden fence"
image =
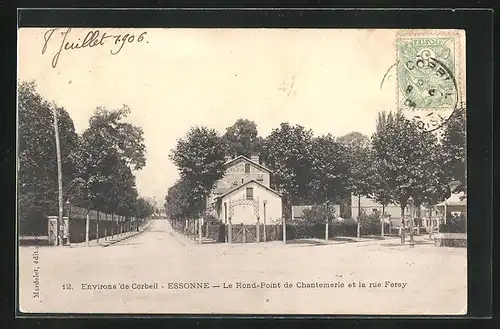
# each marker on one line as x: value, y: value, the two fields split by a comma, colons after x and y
x: 232, y: 233
x: 239, y: 233
x: 84, y: 225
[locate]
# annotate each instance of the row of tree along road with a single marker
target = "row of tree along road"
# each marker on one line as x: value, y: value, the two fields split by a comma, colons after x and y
x: 398, y: 164
x: 97, y: 166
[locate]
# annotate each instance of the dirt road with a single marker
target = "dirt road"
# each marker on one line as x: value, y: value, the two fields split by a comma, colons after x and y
x: 161, y: 271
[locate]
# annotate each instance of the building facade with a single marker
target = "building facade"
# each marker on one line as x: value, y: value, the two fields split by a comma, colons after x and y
x: 243, y: 195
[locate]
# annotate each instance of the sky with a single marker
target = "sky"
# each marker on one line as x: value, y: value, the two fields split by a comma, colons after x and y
x: 328, y: 80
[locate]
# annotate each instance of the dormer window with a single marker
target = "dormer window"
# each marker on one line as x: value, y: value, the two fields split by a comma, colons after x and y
x: 247, y: 168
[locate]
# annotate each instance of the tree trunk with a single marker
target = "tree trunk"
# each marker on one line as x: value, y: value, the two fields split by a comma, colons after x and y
x: 418, y: 220
x: 358, y: 228
x: 431, y: 232
x: 402, y: 225
x: 382, y: 221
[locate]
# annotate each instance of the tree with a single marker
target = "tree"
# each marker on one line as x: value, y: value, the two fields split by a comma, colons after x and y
x: 199, y: 157
x: 406, y: 158
x: 360, y: 159
x: 110, y: 150
x: 330, y: 169
x: 380, y: 191
x: 454, y: 149
x: 287, y: 152
x: 37, y: 156
x: 179, y: 201
x: 354, y: 139
x: 142, y: 208
x: 319, y: 214
x: 242, y: 139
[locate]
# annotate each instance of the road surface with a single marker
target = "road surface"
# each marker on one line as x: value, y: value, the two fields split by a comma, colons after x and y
x: 143, y: 274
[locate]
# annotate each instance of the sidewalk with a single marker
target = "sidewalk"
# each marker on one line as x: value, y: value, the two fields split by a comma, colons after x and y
x: 110, y: 241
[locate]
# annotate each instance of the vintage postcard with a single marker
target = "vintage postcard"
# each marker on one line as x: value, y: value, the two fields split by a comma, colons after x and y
x: 242, y: 171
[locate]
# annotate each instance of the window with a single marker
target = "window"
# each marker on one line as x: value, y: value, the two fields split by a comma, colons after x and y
x: 260, y: 179
x: 249, y: 193
x: 247, y: 168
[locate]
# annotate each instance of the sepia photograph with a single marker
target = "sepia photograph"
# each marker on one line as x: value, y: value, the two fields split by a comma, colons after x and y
x: 241, y: 171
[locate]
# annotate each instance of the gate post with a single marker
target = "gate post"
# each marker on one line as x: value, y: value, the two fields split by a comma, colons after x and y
x: 97, y: 228
x: 230, y: 232
x: 87, y: 220
x: 199, y: 230
x: 257, y: 235
x: 284, y: 230
x: 326, y: 231
x: 52, y: 224
x: 244, y: 233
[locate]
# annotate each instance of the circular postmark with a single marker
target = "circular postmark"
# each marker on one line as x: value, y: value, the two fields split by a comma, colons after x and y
x: 428, y: 102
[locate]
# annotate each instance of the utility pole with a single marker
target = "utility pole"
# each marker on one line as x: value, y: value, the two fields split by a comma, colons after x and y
x: 59, y: 178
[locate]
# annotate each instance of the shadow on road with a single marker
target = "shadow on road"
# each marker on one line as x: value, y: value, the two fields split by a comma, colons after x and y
x: 34, y: 241
x: 125, y: 244
x: 398, y: 244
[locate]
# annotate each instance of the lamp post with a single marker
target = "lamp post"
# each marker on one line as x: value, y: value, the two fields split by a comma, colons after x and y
x: 411, y: 203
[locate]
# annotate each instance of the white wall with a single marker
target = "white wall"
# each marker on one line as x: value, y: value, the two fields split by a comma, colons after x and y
x: 245, y: 213
x: 367, y: 205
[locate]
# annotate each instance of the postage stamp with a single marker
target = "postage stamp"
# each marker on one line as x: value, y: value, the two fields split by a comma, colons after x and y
x: 428, y: 77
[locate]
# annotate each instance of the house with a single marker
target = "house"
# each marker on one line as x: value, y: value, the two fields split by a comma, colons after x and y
x: 369, y: 205
x: 243, y: 195
x: 298, y: 211
x: 393, y: 211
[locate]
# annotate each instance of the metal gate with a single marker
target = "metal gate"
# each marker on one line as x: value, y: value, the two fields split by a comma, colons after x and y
x: 238, y: 233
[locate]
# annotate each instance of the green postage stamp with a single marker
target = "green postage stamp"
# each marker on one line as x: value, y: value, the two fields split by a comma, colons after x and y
x: 427, y: 77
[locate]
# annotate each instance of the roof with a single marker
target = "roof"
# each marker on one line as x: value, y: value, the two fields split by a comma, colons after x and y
x: 456, y: 199
x: 221, y: 190
x: 244, y: 184
x: 244, y: 158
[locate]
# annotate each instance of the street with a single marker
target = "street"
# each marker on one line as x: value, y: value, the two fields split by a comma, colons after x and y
x: 161, y: 271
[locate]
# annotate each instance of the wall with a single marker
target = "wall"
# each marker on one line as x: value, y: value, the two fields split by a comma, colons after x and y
x: 245, y: 213
x: 236, y: 172
x: 367, y: 205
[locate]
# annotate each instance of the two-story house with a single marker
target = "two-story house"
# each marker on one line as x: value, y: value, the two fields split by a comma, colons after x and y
x: 244, y: 194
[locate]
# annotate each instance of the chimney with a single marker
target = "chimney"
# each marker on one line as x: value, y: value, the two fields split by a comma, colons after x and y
x: 255, y: 158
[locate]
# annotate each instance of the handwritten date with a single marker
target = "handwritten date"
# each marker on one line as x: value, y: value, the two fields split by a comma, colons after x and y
x: 93, y: 38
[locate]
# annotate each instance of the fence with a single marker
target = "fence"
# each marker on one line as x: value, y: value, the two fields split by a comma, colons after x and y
x: 84, y: 225
x: 101, y: 225
x: 239, y: 233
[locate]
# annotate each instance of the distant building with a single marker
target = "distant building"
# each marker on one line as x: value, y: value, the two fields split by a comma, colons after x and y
x: 298, y: 211
x: 369, y: 205
x: 244, y: 194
